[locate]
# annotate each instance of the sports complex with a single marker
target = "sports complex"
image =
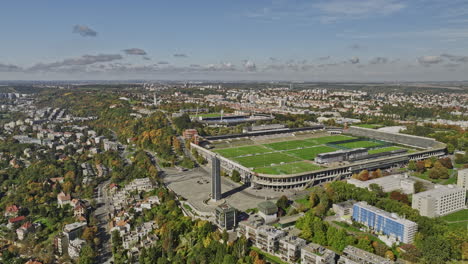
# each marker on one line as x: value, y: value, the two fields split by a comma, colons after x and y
x: 298, y: 158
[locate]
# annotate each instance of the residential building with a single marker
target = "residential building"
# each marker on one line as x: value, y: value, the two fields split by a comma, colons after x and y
x: 290, y: 248
x: 354, y: 255
x: 248, y: 228
x: 268, y: 238
x: 316, y: 254
x: 74, y: 230
x: 462, y: 180
x: 74, y: 247
x: 63, y: 199
x: 226, y: 216
x: 383, y: 222
x: 442, y: 200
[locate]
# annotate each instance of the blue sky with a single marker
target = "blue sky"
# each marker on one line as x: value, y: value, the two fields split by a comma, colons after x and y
x: 319, y: 40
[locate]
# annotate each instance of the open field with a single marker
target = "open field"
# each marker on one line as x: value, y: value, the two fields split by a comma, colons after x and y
x: 380, y: 150
x: 457, y: 216
x: 360, y: 144
x: 289, y: 154
x: 310, y: 153
x: 289, y: 168
x: 291, y: 144
x: 329, y: 139
x: 241, y: 151
x: 265, y: 159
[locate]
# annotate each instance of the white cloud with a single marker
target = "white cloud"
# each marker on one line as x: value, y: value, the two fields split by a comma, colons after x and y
x: 429, y: 60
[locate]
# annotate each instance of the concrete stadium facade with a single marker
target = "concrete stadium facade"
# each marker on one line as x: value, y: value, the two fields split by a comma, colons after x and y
x: 430, y: 148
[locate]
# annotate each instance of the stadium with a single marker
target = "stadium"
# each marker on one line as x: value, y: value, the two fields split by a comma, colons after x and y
x: 302, y: 157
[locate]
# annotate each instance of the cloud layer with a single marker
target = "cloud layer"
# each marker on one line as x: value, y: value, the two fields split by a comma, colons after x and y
x: 84, y: 31
x: 134, y: 51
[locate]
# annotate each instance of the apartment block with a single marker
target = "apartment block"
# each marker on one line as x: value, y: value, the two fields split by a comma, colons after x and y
x: 442, y: 200
x: 383, y: 222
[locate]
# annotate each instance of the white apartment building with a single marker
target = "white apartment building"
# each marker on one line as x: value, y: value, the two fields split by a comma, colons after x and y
x: 462, y: 180
x: 441, y: 200
x: 290, y: 248
x: 317, y: 254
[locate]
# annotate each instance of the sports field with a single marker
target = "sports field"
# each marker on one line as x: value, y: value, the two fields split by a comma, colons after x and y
x: 380, y: 150
x: 360, y: 144
x: 282, y: 156
x: 310, y: 153
x: 242, y: 151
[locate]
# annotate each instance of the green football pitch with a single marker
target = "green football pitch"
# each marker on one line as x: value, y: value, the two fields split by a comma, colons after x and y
x: 265, y: 159
x: 242, y: 151
x: 380, y: 150
x: 310, y: 153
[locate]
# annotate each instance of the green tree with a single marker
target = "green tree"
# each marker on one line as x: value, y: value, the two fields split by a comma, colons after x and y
x: 435, y: 250
x: 236, y: 176
x: 87, y: 255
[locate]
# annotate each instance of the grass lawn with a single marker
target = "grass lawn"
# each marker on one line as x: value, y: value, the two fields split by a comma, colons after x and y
x: 265, y: 159
x: 269, y: 257
x: 459, y: 225
x: 290, y: 168
x: 457, y: 216
x: 380, y: 150
x: 425, y: 176
x: 290, y: 144
x: 310, y: 153
x: 329, y: 139
x: 360, y: 144
x: 241, y: 151
x: 373, y: 126
x: 304, y: 201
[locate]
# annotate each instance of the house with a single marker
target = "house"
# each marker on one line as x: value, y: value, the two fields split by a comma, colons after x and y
x: 11, y: 211
x: 24, y: 230
x: 15, y: 220
x: 63, y: 199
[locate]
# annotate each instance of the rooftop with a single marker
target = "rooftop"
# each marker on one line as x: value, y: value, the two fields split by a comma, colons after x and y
x: 439, y: 191
x: 385, y: 213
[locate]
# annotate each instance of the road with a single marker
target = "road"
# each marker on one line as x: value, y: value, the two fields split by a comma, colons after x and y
x: 102, y: 215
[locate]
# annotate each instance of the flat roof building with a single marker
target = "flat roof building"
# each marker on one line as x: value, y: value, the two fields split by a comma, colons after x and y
x: 290, y: 248
x: 462, y: 180
x: 388, y: 183
x: 268, y: 211
x: 354, y: 255
x: 442, y: 200
x: 317, y: 254
x: 226, y: 216
x: 381, y: 221
x: 268, y: 238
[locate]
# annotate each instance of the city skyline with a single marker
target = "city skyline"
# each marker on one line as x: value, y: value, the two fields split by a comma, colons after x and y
x: 338, y: 40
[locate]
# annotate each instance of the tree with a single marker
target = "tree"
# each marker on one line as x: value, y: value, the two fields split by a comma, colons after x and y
x: 419, y: 187
x: 236, y: 176
x: 420, y: 166
x: 435, y: 250
x: 364, y: 175
x: 450, y: 148
x: 229, y: 259
x: 313, y: 199
x: 377, y: 189
x: 389, y: 255
x: 283, y: 202
x: 87, y: 255
x: 412, y: 165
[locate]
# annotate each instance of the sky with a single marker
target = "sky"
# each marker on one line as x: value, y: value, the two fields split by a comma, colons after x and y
x: 295, y: 40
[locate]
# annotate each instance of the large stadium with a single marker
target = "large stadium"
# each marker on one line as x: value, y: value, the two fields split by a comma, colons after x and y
x: 298, y: 158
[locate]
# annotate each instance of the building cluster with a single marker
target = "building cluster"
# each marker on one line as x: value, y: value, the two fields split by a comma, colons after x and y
x: 124, y: 203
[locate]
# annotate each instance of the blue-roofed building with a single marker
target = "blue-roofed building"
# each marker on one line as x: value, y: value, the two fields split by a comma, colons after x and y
x: 383, y: 222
